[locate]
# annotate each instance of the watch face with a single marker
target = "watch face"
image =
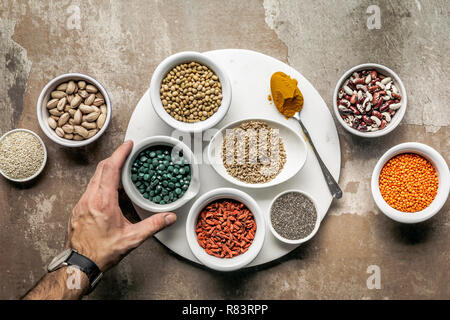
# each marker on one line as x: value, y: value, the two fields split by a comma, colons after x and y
x: 59, y: 259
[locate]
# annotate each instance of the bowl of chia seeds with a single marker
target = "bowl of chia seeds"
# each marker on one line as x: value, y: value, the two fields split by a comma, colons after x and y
x: 160, y: 174
x: 22, y: 155
x: 293, y: 217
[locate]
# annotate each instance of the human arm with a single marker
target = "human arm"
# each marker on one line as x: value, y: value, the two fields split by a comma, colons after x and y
x: 98, y: 230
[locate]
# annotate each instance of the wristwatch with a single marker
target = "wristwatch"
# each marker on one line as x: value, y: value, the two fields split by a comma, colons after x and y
x: 71, y: 257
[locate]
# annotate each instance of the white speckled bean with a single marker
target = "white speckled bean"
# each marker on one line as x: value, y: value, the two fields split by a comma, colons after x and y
x: 348, y: 90
x: 376, y: 120
x: 395, y: 106
x: 386, y: 80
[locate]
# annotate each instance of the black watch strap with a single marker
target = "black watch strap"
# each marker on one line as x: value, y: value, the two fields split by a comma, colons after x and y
x: 87, y: 266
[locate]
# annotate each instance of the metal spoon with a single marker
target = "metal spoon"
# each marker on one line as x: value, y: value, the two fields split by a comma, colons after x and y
x: 335, y: 190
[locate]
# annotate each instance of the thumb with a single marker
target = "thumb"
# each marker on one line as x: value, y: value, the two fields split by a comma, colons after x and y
x: 149, y: 226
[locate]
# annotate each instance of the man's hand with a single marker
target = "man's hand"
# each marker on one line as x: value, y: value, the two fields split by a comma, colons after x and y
x: 97, y: 228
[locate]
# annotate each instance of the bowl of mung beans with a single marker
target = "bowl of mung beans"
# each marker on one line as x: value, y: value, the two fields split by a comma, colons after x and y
x: 160, y: 174
x: 190, y: 91
x: 411, y: 182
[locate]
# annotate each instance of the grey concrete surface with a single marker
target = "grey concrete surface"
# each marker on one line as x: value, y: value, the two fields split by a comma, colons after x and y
x: 121, y: 42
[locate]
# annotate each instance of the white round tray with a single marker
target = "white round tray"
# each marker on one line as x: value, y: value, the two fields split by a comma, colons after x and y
x: 250, y: 74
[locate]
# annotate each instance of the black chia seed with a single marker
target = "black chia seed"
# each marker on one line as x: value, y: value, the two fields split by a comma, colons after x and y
x: 293, y: 216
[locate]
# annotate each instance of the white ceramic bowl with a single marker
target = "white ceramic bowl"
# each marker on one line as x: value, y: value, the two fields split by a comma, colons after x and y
x: 42, y: 112
x: 396, y: 119
x: 443, y: 175
x: 168, y: 64
x: 134, y: 194
x: 296, y: 241
x: 294, y: 144
x: 225, y: 264
x: 43, y: 162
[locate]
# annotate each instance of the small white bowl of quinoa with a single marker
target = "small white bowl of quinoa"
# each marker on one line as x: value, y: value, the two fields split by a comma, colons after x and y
x: 22, y: 155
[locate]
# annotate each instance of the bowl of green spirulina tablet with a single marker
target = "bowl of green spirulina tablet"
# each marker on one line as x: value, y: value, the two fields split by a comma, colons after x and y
x: 160, y: 174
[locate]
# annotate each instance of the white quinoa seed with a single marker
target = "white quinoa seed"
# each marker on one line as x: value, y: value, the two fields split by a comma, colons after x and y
x: 21, y: 155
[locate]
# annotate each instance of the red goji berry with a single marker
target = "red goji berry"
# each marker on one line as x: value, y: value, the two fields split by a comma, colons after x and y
x: 225, y: 228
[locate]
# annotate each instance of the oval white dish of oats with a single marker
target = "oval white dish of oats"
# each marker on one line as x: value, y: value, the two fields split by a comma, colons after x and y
x: 257, y: 153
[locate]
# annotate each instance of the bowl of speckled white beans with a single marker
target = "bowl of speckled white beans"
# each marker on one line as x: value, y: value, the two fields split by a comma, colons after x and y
x: 396, y: 119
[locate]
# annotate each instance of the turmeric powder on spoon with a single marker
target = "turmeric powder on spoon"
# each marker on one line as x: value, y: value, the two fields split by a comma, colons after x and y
x: 289, y: 101
x: 285, y: 94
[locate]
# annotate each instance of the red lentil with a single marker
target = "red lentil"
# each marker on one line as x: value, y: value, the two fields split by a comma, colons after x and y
x: 225, y: 228
x: 408, y: 182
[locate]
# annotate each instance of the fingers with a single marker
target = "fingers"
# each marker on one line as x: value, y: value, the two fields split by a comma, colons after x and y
x: 95, y: 180
x: 114, y: 163
x: 120, y: 155
x: 110, y: 176
x: 148, y: 227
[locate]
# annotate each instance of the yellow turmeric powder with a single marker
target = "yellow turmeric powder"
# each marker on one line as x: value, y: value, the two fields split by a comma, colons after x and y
x: 285, y: 94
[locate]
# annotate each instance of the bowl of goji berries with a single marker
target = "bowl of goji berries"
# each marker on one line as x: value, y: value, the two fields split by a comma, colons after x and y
x: 410, y: 182
x: 225, y: 229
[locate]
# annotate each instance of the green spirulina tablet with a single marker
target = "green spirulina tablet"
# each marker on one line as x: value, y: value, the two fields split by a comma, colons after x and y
x: 158, y: 176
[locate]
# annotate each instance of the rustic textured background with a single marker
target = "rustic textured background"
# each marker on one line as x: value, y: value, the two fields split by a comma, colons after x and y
x: 121, y: 42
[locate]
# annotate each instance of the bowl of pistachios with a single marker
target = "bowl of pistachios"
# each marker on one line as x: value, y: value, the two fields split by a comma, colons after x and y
x: 74, y: 110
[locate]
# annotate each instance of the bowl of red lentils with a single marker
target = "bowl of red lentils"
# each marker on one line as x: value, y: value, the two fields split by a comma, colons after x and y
x: 410, y: 182
x: 225, y: 229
